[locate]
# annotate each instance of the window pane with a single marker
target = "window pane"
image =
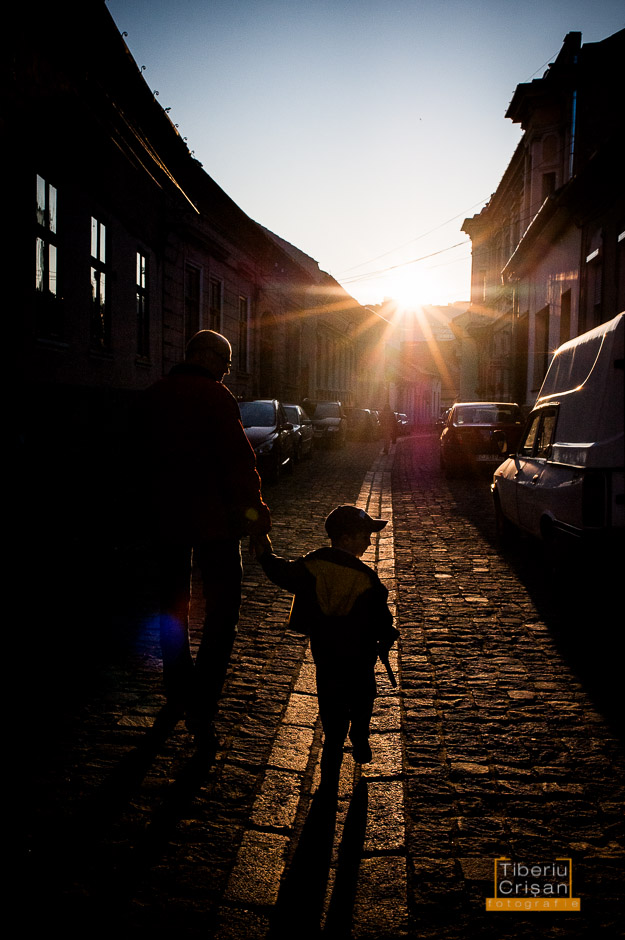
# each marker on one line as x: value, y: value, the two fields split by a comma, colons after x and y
x: 527, y: 447
x: 52, y: 269
x: 41, y: 201
x: 546, y: 434
x: 52, y: 208
x: 94, y: 238
x: 102, y: 242
x: 40, y: 248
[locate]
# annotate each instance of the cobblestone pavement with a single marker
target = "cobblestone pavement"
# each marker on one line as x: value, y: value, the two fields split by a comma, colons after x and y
x: 502, y: 740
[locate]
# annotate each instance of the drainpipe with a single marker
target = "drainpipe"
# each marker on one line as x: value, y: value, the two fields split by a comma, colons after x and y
x: 573, y: 129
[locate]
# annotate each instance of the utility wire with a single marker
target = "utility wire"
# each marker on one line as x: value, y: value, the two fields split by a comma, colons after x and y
x: 416, y: 239
x: 371, y: 275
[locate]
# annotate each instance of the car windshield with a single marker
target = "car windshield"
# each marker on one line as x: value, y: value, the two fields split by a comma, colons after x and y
x: 292, y: 414
x: 487, y: 414
x: 257, y: 414
x: 327, y: 409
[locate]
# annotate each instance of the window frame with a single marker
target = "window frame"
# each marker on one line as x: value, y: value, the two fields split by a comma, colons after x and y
x: 539, y: 449
x: 243, y: 334
x: 49, y: 320
x: 215, y: 312
x: 100, y: 323
x: 142, y: 297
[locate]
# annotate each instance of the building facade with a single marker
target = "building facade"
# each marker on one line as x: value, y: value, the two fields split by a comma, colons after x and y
x: 122, y: 246
x: 549, y: 248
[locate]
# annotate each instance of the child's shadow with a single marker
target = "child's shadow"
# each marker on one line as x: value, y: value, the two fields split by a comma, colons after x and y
x: 300, y: 906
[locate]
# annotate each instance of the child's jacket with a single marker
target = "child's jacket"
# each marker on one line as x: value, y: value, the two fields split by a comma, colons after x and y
x: 339, y: 601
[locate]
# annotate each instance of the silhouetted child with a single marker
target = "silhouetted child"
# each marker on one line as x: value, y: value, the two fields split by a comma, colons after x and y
x: 342, y: 604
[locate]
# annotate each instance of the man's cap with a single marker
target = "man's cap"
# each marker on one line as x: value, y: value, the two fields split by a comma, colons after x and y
x: 345, y: 520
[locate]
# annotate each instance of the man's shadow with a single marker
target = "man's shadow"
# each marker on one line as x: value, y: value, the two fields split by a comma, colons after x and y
x: 300, y: 906
x: 76, y: 854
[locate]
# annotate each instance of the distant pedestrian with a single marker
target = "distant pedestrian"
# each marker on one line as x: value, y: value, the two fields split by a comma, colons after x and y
x: 204, y: 495
x: 388, y: 422
x: 342, y: 604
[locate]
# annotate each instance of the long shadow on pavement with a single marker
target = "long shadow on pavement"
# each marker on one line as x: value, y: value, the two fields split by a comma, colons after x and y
x: 79, y: 873
x: 300, y: 906
x: 576, y: 592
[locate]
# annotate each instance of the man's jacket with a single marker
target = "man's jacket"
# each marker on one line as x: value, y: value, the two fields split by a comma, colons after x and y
x: 339, y: 601
x: 199, y: 468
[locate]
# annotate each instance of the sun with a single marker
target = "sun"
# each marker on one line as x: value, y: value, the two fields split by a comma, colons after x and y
x: 410, y: 289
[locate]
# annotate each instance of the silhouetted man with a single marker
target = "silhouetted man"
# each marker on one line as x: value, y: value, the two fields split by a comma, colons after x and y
x: 204, y: 495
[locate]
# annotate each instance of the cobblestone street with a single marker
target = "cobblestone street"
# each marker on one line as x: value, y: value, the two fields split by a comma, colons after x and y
x: 502, y: 739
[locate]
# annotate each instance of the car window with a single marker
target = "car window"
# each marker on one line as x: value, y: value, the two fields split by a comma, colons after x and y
x: 292, y: 414
x: 327, y: 409
x: 257, y: 414
x: 545, y: 437
x: 540, y: 434
x: 531, y: 436
x: 486, y: 414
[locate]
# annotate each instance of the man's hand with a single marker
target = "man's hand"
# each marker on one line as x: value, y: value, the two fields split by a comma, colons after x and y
x: 257, y: 520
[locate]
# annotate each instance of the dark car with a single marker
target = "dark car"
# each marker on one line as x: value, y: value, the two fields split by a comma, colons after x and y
x: 362, y: 424
x: 329, y: 422
x: 403, y: 424
x: 271, y: 435
x: 566, y: 481
x: 302, y: 430
x: 479, y: 434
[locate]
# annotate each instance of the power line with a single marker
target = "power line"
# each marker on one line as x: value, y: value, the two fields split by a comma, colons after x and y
x: 410, y: 242
x: 371, y: 275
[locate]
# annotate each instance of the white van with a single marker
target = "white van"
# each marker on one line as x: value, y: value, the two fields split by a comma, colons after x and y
x: 567, y: 476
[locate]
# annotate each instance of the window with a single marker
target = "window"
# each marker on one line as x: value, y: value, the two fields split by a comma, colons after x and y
x: 100, y: 319
x: 547, y: 429
x: 243, y: 334
x: 143, y: 312
x: 593, y: 288
x: 192, y: 299
x: 541, y: 347
x: 531, y: 436
x: 565, y: 317
x: 540, y: 434
x: 549, y: 184
x: 49, y: 320
x: 214, y: 305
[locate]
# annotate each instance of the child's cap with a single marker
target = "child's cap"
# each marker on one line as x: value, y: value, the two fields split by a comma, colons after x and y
x: 345, y: 520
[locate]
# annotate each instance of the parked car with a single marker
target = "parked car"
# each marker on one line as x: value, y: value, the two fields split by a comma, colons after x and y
x: 567, y: 477
x: 478, y: 434
x: 302, y: 430
x: 362, y: 425
x: 329, y: 422
x: 403, y: 424
x: 270, y: 434
x: 442, y: 418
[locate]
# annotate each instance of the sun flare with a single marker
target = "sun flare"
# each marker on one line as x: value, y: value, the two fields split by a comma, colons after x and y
x: 410, y: 289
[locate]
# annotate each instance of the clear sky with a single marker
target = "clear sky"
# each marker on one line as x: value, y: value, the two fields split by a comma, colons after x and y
x: 362, y: 131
